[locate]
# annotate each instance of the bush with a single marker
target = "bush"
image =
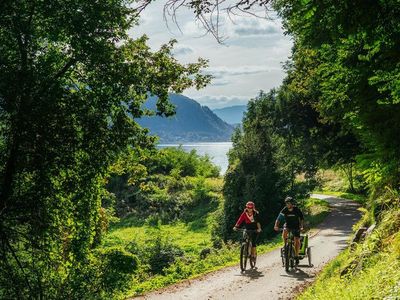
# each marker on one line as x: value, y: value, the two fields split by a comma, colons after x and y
x: 116, y: 267
x: 161, y: 254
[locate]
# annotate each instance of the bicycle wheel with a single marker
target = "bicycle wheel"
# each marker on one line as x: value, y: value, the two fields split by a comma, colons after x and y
x: 291, y: 259
x: 243, y: 257
x: 309, y: 256
x: 287, y: 256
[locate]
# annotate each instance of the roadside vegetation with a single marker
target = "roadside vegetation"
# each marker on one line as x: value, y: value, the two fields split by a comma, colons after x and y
x: 368, y: 269
x: 170, y: 219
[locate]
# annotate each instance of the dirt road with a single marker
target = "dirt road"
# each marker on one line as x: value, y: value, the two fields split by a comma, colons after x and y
x: 270, y: 281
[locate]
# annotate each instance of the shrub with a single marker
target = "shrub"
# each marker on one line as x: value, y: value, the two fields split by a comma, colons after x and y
x: 161, y: 254
x: 116, y: 268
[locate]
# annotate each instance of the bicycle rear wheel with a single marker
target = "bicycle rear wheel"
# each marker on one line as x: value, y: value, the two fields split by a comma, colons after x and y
x: 287, y: 257
x: 253, y: 261
x: 243, y: 257
x: 309, y: 257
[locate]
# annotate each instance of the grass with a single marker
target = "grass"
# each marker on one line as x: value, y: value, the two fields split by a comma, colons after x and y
x: 180, y: 234
x: 370, y: 270
x: 316, y: 211
x: 219, y: 259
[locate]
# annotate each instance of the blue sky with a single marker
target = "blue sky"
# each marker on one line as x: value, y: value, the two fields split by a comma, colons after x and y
x: 250, y: 59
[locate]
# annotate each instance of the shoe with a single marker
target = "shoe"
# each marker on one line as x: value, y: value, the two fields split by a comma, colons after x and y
x: 297, y: 261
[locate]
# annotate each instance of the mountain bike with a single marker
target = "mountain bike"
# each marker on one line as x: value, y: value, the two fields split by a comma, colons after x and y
x: 245, y: 249
x: 288, y: 251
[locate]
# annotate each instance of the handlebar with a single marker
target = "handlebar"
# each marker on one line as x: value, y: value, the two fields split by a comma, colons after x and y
x: 247, y: 230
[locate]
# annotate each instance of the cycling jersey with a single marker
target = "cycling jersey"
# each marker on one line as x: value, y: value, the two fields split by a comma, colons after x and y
x: 250, y: 222
x: 292, y: 218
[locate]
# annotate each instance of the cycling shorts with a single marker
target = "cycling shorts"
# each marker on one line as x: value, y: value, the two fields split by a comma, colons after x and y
x: 295, y: 231
x: 253, y: 237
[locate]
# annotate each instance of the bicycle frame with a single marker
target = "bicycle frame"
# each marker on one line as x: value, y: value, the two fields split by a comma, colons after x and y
x: 288, y: 258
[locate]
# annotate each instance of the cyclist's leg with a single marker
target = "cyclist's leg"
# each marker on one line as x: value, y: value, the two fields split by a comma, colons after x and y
x: 296, y: 233
x: 284, y: 235
x: 254, y: 238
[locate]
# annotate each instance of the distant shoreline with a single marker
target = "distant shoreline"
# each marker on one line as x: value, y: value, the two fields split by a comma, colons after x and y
x: 192, y: 144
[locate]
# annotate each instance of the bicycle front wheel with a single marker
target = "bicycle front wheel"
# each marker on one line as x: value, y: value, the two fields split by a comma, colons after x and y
x: 292, y: 264
x: 243, y: 257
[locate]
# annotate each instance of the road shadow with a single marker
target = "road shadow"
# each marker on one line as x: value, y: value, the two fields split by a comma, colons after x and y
x: 299, y: 274
x: 252, y: 273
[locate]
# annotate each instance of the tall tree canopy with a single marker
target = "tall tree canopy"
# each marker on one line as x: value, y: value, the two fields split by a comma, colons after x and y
x: 354, y: 45
x: 71, y: 82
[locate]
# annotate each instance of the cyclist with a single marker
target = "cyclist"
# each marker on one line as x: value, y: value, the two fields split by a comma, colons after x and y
x: 294, y: 220
x: 251, y: 221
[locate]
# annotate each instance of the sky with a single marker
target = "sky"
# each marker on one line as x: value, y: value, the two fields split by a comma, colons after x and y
x: 249, y: 60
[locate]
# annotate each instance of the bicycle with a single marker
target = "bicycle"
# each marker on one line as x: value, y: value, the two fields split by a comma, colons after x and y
x: 245, y: 250
x: 288, y: 252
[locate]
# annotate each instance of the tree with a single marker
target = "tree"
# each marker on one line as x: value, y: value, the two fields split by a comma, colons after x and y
x: 356, y: 70
x: 71, y: 82
x: 254, y: 173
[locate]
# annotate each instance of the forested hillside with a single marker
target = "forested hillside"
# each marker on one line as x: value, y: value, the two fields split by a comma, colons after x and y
x: 190, y: 123
x: 232, y: 114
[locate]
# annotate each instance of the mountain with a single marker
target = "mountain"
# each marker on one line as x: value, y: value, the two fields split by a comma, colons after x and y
x: 232, y: 114
x: 191, y: 123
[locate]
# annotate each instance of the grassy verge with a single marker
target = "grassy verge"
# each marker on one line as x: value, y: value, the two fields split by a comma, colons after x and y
x: 368, y: 271
x: 227, y: 256
x: 316, y: 211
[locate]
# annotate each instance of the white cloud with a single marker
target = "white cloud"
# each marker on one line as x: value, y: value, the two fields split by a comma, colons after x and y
x: 220, y: 72
x: 182, y: 50
x: 249, y: 61
x: 220, y: 101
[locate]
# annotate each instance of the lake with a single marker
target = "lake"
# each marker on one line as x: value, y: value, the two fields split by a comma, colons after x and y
x: 216, y: 151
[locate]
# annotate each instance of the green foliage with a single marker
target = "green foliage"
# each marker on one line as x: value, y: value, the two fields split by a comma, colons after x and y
x: 160, y: 184
x: 268, y: 154
x: 352, y: 77
x: 315, y: 211
x: 116, y: 267
x: 161, y: 254
x: 71, y: 84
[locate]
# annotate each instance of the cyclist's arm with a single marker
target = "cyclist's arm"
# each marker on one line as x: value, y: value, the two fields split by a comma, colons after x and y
x: 258, y: 226
x: 240, y: 220
x: 278, y: 221
x: 301, y: 218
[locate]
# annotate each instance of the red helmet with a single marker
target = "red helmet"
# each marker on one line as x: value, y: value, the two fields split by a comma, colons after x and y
x: 250, y: 204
